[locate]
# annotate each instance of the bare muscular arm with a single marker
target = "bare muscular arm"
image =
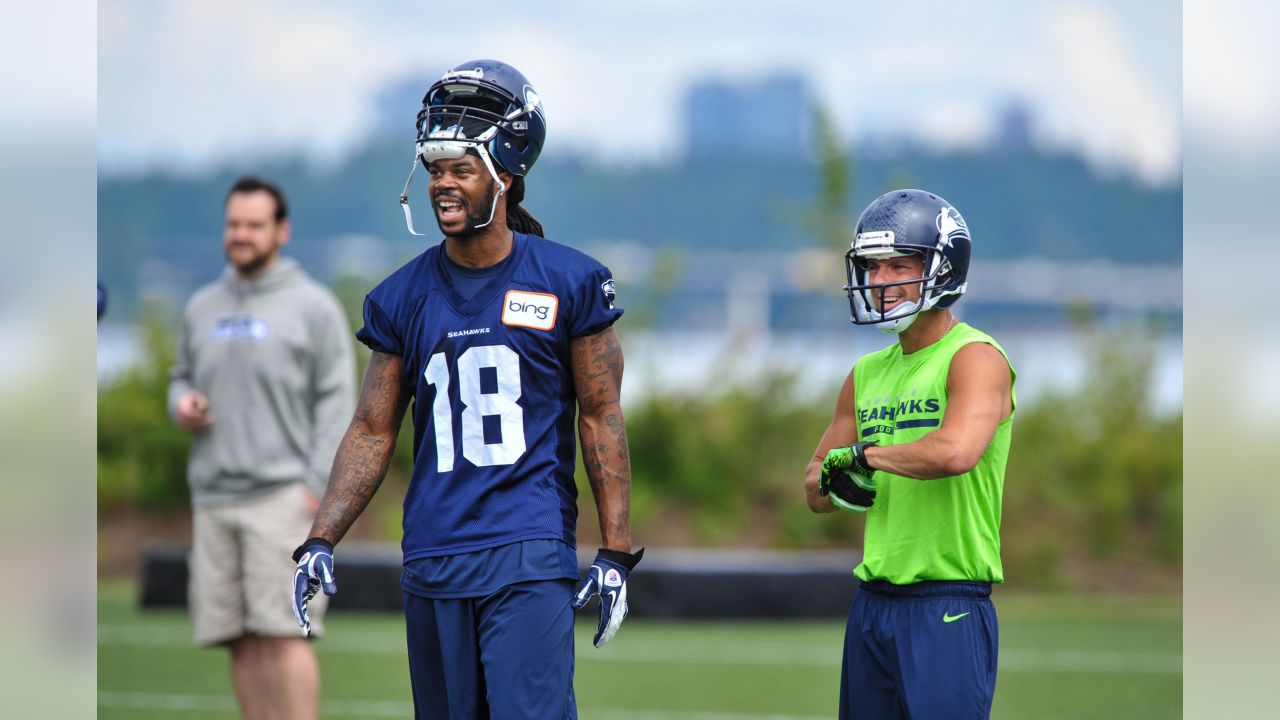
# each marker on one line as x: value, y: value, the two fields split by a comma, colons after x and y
x: 365, y: 453
x: 597, y: 380
x: 979, y: 396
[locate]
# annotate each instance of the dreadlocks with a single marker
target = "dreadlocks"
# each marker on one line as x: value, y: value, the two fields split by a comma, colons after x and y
x: 519, y: 219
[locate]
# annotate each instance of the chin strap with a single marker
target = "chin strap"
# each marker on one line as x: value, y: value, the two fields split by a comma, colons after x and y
x: 493, y: 205
x: 404, y: 197
x: 898, y: 325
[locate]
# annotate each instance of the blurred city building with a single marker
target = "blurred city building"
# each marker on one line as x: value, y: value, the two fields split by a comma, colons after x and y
x: 765, y: 118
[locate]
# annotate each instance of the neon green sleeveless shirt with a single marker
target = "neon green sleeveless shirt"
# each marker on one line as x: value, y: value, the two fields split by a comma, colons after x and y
x: 942, y: 529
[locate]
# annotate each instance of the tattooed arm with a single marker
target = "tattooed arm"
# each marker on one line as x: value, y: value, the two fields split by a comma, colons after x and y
x: 597, y: 380
x: 365, y: 453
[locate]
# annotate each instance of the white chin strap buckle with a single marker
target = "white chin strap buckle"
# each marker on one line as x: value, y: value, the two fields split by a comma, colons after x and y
x: 431, y: 151
x: 893, y: 327
x: 900, y: 318
x: 404, y: 198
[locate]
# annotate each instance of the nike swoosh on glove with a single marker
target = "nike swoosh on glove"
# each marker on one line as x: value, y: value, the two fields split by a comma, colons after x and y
x: 607, y: 577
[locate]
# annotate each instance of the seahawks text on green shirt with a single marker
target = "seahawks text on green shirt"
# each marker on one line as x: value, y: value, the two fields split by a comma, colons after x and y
x: 941, y: 529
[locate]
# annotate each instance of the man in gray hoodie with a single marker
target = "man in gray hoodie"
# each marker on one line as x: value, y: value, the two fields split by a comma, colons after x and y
x: 264, y: 380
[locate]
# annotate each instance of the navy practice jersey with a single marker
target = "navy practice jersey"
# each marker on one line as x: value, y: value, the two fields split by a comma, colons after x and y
x: 493, y: 397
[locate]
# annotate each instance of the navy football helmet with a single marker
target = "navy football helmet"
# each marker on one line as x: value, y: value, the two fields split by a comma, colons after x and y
x: 908, y: 222
x: 482, y: 106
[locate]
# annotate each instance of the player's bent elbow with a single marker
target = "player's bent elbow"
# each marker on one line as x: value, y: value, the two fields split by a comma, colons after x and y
x: 945, y: 454
x: 958, y: 462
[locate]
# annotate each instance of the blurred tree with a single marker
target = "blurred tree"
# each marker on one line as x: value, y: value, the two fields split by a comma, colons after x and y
x: 142, y: 455
x: 646, y: 300
x: 1095, y: 473
x: 829, y: 218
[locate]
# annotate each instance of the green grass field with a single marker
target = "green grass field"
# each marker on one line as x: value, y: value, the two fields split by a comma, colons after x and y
x: 1076, y: 657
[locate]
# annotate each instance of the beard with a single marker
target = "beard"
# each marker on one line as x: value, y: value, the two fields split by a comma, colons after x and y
x: 476, y: 217
x: 252, y: 264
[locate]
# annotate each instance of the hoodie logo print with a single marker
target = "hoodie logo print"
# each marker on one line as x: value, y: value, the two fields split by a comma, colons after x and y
x: 241, y: 327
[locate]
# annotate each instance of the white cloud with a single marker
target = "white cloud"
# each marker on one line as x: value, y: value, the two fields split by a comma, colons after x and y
x: 956, y: 125
x: 1100, y: 99
x: 1230, y: 76
x: 188, y: 82
x: 48, y: 81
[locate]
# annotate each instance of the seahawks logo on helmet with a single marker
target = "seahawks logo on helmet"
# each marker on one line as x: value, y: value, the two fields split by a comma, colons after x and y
x: 950, y: 225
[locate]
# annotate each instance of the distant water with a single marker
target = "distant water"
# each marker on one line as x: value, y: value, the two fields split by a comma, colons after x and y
x: 119, y: 348
x: 1044, y: 359
x: 695, y: 361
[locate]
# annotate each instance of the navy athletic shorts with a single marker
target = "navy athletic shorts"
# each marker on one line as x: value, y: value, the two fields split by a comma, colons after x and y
x: 505, y: 656
x: 925, y: 651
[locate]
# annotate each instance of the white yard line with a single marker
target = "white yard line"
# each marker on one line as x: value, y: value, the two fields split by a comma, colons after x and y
x: 225, y: 703
x: 747, y: 654
x: 619, y: 714
x: 381, y: 708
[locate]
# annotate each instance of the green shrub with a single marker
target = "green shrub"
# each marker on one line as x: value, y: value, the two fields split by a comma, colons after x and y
x: 1096, y: 473
x: 142, y: 455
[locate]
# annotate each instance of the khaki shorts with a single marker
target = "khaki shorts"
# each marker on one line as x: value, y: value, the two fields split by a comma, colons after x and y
x: 241, y: 580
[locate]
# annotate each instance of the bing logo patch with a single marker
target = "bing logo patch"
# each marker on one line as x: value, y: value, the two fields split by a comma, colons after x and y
x: 535, y: 310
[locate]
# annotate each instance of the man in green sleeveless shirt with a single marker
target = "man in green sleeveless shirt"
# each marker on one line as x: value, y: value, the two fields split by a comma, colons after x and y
x: 918, y: 442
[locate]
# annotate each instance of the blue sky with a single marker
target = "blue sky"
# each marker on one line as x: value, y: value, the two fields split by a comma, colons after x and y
x: 182, y: 84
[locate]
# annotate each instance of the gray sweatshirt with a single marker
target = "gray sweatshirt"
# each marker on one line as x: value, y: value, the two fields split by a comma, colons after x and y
x: 275, y: 358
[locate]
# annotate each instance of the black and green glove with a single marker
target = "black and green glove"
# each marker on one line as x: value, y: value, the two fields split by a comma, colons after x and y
x: 847, y: 478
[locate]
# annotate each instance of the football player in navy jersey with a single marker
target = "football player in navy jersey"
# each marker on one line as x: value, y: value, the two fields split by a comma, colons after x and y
x: 497, y: 335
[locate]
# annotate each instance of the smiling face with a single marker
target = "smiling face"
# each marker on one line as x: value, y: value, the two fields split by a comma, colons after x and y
x: 463, y: 194
x: 891, y: 270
